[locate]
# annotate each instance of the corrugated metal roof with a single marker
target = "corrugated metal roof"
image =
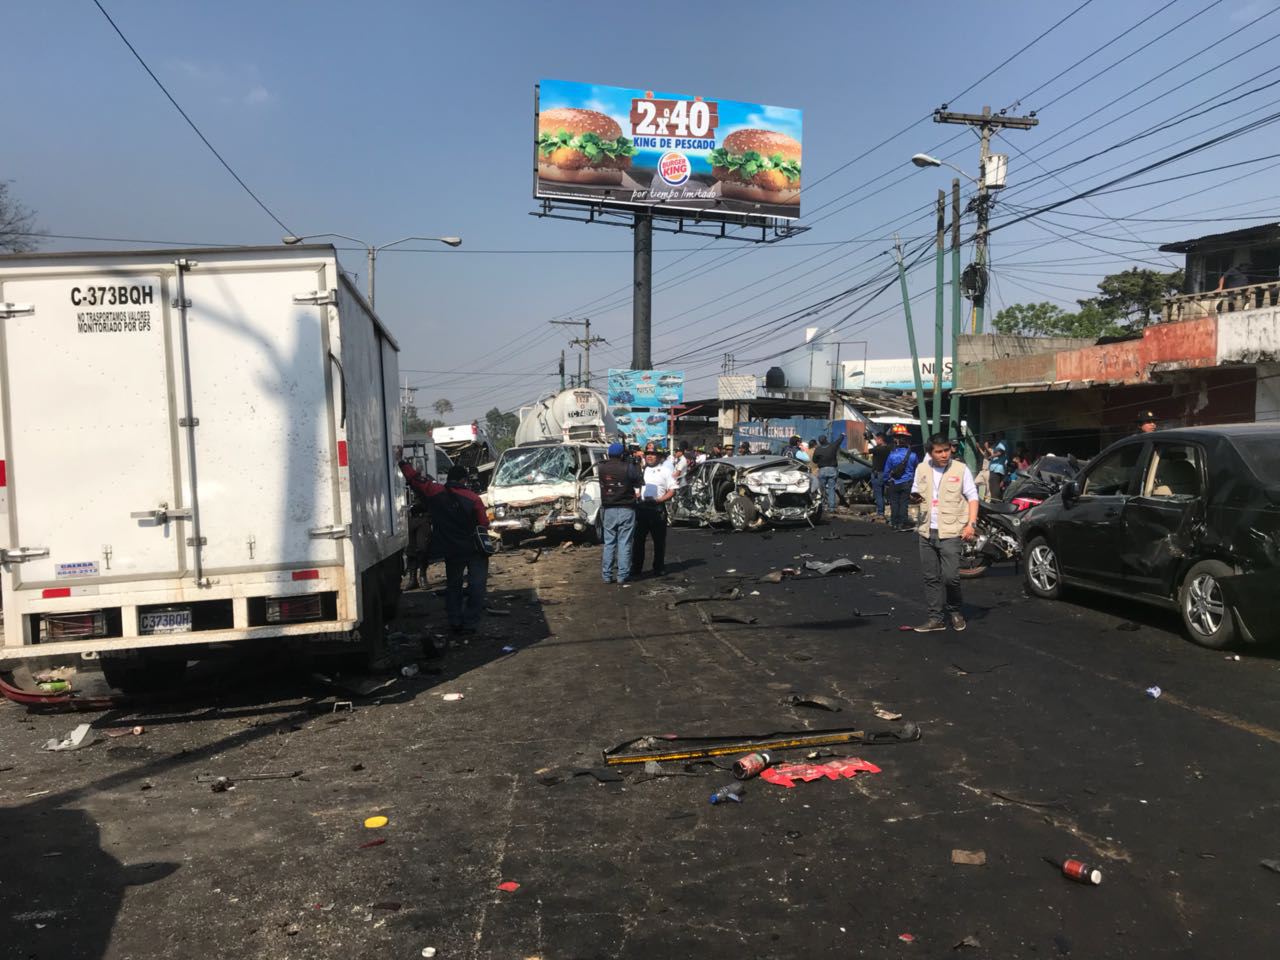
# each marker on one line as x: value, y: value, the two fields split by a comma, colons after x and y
x: 1260, y: 233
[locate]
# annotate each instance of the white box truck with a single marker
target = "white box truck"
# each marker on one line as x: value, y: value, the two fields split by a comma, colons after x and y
x: 196, y: 446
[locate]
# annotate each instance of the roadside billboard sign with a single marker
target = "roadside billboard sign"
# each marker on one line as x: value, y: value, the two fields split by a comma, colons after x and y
x: 893, y: 374
x: 637, y: 148
x: 646, y: 388
x: 641, y: 426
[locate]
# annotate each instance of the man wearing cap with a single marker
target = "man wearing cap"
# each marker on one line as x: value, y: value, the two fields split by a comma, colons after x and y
x: 651, y: 514
x: 1147, y: 422
x: 619, y: 481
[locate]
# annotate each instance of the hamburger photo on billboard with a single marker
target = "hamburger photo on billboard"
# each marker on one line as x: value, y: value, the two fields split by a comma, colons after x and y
x: 758, y: 165
x: 582, y: 146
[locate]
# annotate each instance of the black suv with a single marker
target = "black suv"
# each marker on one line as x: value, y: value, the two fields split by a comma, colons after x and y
x: 1186, y: 519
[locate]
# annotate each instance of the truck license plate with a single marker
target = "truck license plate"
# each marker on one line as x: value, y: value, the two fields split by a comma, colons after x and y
x: 777, y: 489
x: 166, y: 621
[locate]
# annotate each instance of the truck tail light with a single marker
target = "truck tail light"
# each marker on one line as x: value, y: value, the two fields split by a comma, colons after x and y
x: 293, y: 609
x: 4, y: 477
x: 72, y: 626
x: 342, y: 453
x: 306, y: 574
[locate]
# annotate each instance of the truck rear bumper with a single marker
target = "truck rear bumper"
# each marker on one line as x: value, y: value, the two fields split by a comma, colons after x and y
x: 327, y: 628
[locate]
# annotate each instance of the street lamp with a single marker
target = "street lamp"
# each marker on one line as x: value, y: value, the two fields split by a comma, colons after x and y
x: 372, y: 250
x: 924, y: 160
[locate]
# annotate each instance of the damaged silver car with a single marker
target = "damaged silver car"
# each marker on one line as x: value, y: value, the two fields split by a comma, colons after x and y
x: 747, y: 492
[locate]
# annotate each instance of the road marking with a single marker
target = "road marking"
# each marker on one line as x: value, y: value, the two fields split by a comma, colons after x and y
x: 1208, y: 713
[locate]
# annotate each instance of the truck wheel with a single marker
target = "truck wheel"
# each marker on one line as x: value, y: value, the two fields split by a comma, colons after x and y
x: 1205, y: 615
x: 742, y: 511
x: 142, y: 673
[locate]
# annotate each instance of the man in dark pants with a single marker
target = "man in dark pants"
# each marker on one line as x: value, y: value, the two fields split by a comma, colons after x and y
x: 880, y: 451
x: 651, y: 514
x: 456, y: 515
x: 826, y: 459
x: 899, y: 470
x: 946, y: 488
x: 619, y: 481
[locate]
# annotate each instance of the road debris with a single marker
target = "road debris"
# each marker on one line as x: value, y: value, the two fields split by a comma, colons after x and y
x: 811, y: 700
x: 969, y: 941
x: 1128, y: 626
x: 221, y: 785
x: 135, y: 731
x: 839, y: 565
x: 373, y: 843
x: 430, y: 952
x: 884, y: 714
x: 373, y: 823
x: 695, y: 748
x: 729, y: 792
x: 1076, y: 870
x: 907, y: 937
x: 1272, y: 865
x: 871, y: 613
x: 1154, y: 692
x: 77, y: 738
x: 452, y: 697
x: 508, y: 886
x: 785, y: 774
x: 970, y: 858
x: 744, y: 768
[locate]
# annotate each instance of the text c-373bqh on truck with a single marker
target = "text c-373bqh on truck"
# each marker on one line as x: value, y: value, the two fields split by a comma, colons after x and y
x: 196, y: 446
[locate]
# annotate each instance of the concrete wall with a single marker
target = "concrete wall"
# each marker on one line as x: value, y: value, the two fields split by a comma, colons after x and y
x: 1267, y: 394
x: 976, y: 348
x: 1249, y: 336
x: 1191, y: 343
x: 1034, y: 368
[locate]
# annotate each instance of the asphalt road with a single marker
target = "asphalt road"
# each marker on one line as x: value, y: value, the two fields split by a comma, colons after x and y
x: 1038, y: 740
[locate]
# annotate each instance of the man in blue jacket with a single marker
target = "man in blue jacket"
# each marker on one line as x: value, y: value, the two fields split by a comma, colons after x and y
x: 899, y: 474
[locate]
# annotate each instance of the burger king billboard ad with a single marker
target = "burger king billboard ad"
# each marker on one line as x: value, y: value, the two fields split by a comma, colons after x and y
x: 638, y: 148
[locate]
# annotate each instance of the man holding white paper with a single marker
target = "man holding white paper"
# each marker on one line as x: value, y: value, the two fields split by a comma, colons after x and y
x: 651, y: 513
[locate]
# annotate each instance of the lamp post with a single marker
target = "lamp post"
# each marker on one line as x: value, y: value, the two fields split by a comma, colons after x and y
x: 372, y: 250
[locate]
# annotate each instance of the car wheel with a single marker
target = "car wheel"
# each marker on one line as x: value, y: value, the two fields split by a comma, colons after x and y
x: 1041, y: 572
x: 742, y: 512
x: 1206, y: 616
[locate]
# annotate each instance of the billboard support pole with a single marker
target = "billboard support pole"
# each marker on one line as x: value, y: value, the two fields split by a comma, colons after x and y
x: 642, y: 295
x: 911, y: 333
x: 939, y: 313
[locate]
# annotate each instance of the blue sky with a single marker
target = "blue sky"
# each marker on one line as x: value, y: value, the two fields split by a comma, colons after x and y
x: 381, y: 120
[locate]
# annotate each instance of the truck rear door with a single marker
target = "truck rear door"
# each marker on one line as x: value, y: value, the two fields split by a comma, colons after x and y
x: 262, y: 389
x: 92, y: 455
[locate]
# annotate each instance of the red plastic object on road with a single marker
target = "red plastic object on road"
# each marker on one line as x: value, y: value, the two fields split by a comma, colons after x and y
x: 509, y: 886
x: 785, y: 775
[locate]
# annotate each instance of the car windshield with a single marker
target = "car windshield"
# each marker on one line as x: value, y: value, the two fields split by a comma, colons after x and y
x: 1262, y: 454
x: 535, y: 465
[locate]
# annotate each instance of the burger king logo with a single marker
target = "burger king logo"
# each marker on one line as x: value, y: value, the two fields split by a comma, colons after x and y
x: 674, y: 168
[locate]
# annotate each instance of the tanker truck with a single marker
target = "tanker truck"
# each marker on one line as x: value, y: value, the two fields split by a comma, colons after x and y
x: 547, y: 480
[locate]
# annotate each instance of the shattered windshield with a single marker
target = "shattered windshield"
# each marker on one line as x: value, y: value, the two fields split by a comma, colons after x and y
x: 535, y: 465
x: 1262, y: 454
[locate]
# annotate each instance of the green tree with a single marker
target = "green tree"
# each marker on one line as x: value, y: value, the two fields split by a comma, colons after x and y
x: 501, y: 428
x: 1134, y: 296
x: 1050, y: 320
x: 442, y: 406
x: 17, y: 224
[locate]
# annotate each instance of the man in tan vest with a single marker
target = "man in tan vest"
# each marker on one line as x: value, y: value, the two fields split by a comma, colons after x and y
x: 946, y: 488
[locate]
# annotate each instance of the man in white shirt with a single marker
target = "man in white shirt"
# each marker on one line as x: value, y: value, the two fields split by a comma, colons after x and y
x: 945, y: 484
x: 651, y: 513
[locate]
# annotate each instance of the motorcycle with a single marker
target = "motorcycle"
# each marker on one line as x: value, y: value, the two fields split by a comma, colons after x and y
x: 995, y: 538
x: 996, y: 535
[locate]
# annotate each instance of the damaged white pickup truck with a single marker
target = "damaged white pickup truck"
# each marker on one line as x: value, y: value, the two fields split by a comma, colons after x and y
x: 747, y: 492
x: 546, y: 485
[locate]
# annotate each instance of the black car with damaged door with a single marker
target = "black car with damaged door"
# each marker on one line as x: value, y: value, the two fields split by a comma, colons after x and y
x: 1185, y: 519
x: 747, y: 492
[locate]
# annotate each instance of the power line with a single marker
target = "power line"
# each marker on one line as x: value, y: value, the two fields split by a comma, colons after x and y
x: 191, y: 123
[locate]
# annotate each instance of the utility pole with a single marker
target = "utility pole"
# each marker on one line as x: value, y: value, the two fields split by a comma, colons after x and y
x: 642, y: 294
x: 911, y: 333
x: 939, y: 313
x: 991, y: 175
x: 585, y: 342
x: 953, y: 420
x: 561, y: 369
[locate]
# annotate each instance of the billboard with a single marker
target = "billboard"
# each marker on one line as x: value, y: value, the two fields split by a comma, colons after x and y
x: 893, y: 374
x: 641, y: 426
x: 633, y: 147
x: 646, y: 388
